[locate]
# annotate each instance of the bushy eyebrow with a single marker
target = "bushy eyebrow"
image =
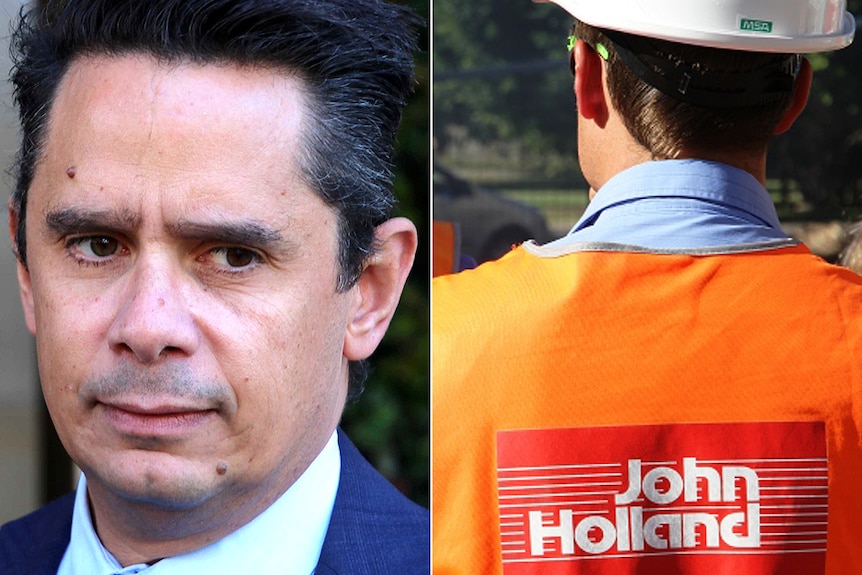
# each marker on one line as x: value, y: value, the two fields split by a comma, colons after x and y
x: 253, y: 233
x: 69, y: 221
x: 246, y: 232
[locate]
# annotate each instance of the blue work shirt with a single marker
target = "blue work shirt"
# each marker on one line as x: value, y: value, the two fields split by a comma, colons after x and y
x: 678, y: 205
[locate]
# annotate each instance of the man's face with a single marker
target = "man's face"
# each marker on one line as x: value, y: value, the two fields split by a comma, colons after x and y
x: 181, y: 281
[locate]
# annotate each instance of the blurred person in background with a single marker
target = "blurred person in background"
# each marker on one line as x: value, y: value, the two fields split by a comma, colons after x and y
x: 851, y: 255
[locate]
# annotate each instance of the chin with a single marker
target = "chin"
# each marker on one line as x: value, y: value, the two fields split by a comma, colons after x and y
x: 157, y: 480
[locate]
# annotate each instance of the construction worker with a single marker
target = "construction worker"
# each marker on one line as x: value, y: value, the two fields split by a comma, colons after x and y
x: 676, y: 385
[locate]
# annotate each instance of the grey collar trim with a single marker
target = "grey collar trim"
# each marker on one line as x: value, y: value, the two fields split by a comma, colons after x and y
x: 574, y: 247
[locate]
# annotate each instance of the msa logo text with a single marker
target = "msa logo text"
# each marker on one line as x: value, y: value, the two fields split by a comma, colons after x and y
x: 703, y: 507
x: 750, y: 25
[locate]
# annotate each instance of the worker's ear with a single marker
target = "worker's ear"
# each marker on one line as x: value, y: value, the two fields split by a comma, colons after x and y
x: 25, y: 286
x: 378, y: 289
x: 589, y: 84
x: 800, y: 97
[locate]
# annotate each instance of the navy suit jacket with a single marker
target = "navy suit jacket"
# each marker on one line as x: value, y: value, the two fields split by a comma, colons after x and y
x: 374, y: 529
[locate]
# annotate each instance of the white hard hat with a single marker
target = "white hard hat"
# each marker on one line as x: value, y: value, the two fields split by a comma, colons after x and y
x: 789, y: 26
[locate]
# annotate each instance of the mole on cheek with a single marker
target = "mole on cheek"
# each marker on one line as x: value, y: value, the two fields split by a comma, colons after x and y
x: 221, y: 468
x: 71, y: 171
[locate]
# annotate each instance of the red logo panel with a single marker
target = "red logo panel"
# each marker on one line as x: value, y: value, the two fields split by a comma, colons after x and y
x: 680, y: 498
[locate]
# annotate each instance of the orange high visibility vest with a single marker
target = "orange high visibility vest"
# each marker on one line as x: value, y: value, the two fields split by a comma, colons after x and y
x: 604, y: 412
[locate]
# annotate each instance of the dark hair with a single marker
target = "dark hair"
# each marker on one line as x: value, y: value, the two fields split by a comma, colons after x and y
x: 355, y: 58
x: 665, y: 124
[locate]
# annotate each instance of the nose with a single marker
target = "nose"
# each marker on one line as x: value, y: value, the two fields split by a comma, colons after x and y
x: 154, y: 320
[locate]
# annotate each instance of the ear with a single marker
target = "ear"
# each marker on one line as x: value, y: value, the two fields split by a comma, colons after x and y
x: 379, y: 287
x: 24, y: 285
x: 800, y: 97
x: 589, y: 84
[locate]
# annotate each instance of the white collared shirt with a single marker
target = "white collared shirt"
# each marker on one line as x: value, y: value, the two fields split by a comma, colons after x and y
x: 285, y: 539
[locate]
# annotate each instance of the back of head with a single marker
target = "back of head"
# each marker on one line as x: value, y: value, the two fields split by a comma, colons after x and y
x: 692, y: 75
x: 689, y: 106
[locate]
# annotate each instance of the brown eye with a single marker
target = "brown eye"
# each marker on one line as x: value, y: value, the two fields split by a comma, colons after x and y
x: 94, y: 248
x: 103, y: 247
x: 234, y: 258
x: 239, y: 258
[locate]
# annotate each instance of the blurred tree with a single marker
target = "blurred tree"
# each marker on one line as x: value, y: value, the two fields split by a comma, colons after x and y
x: 821, y: 156
x: 501, y: 80
x: 501, y: 72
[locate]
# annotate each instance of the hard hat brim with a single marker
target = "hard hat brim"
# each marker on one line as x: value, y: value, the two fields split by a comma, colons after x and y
x: 587, y: 11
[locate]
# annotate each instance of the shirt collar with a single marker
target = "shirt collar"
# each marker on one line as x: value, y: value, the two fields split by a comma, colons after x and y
x: 696, y: 179
x: 286, y: 538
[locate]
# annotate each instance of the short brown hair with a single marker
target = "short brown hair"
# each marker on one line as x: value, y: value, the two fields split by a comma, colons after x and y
x: 667, y: 126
